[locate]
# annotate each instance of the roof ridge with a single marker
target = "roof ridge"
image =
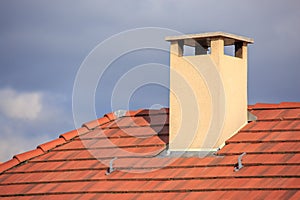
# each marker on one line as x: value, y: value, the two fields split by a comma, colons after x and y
x: 47, y: 146
x: 41, y: 149
x: 66, y: 137
x: 282, y: 105
x: 108, y: 117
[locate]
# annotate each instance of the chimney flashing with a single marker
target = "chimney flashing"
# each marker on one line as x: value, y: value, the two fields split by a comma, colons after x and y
x: 183, y: 153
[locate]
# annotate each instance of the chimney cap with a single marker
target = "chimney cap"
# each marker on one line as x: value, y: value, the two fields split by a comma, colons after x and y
x: 204, y: 38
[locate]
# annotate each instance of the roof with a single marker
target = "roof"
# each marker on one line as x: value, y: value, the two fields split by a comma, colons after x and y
x: 75, y: 165
x: 229, y: 37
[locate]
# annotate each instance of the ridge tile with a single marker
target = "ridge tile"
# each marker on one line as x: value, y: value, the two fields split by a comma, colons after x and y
x: 95, y: 123
x: 28, y: 155
x: 72, y: 134
x: 51, y: 144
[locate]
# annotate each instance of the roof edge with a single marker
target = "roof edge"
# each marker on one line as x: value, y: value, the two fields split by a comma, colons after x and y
x: 66, y: 137
x: 62, y: 139
x: 41, y: 149
x: 113, y: 116
x: 98, y: 122
x: 282, y: 105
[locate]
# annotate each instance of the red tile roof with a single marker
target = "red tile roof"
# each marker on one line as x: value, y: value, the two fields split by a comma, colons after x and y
x: 75, y: 165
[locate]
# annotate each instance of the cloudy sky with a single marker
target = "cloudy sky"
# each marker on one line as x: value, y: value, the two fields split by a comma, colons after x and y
x: 43, y: 44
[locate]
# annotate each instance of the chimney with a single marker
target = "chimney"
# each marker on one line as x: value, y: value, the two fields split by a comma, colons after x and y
x: 208, y: 90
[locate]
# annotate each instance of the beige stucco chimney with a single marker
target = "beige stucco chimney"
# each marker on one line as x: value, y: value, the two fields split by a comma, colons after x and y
x: 208, y: 90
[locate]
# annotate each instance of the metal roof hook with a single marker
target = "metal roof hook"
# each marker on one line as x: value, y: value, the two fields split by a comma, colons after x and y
x: 239, y: 165
x: 111, y: 169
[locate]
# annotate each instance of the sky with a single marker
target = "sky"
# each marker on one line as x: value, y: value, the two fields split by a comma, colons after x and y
x: 44, y: 43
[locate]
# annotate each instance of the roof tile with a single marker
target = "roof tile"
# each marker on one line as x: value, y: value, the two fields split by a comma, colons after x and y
x: 77, y: 168
x: 51, y: 144
x: 285, y: 105
x: 132, y: 113
x: 95, y: 123
x: 111, y: 116
x: 265, y: 136
x: 9, y: 164
x: 289, y: 105
x: 28, y: 155
x: 72, y: 134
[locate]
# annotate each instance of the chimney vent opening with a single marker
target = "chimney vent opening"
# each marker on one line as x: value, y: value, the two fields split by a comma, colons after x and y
x: 193, y: 47
x: 188, y: 50
x: 234, y: 49
x: 229, y: 50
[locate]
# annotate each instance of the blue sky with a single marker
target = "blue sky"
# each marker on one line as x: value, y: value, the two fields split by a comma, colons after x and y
x: 43, y: 43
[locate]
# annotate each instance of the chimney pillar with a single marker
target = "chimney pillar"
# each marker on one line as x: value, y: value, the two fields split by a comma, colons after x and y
x: 208, y: 90
x: 217, y: 49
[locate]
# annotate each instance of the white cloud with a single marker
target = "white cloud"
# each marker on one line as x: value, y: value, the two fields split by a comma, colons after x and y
x: 28, y: 119
x: 25, y: 105
x: 15, y: 140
